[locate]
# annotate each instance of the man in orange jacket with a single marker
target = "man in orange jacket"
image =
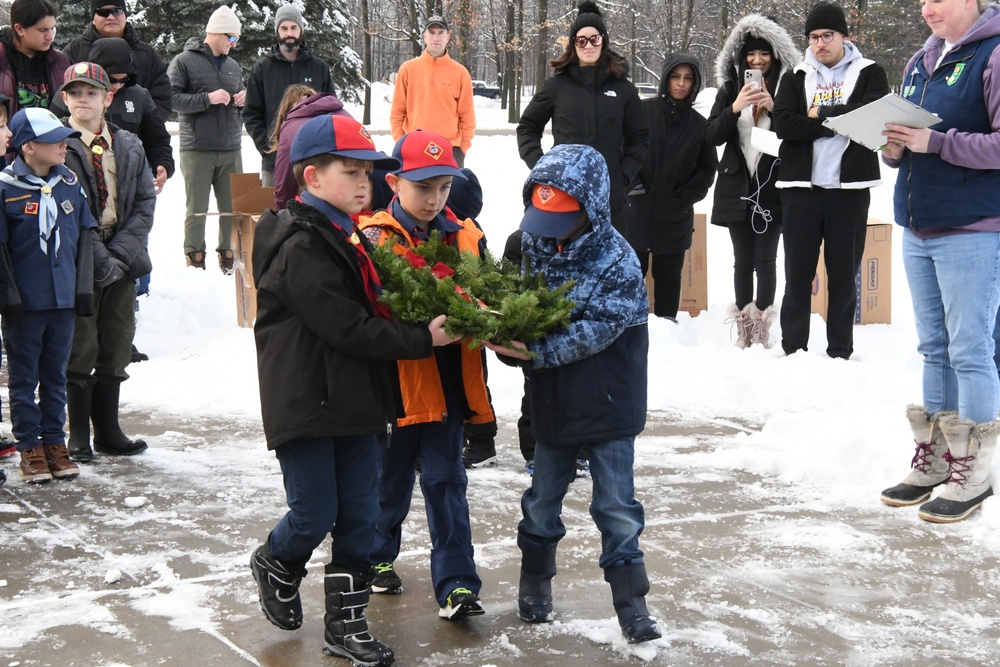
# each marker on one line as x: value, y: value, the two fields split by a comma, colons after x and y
x: 434, y: 93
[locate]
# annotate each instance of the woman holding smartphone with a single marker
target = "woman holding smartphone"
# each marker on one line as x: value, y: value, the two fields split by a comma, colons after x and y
x: 747, y: 71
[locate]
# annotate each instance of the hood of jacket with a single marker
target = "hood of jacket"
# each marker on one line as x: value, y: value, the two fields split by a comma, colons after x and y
x: 316, y: 105
x: 579, y: 171
x: 114, y: 55
x: 728, y: 65
x: 670, y: 62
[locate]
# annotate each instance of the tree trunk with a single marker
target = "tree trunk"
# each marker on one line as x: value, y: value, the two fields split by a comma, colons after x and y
x: 542, y: 56
x: 367, y: 62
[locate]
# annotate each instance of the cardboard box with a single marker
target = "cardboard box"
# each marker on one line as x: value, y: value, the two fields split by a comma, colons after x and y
x: 694, y: 274
x: 873, y: 282
x: 250, y: 200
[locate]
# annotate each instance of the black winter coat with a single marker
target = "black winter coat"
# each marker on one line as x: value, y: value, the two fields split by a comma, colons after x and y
x: 150, y: 70
x: 678, y: 170
x: 135, y: 200
x: 326, y: 364
x: 193, y: 75
x: 269, y: 78
x: 589, y: 106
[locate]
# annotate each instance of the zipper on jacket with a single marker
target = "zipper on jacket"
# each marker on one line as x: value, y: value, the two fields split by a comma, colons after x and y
x: 388, y: 435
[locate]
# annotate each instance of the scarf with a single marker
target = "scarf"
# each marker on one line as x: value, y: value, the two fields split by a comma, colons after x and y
x: 48, y: 208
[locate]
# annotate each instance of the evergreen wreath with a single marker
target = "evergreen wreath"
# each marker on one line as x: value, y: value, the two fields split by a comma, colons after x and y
x: 485, y: 299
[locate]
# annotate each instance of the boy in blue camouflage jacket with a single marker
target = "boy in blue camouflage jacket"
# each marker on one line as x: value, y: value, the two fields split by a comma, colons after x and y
x: 588, y: 383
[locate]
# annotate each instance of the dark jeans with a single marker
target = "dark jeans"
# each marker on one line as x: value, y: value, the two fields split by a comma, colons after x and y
x: 614, y: 508
x: 37, y: 354
x: 102, y: 344
x: 438, y: 447
x: 666, y: 281
x: 330, y: 487
x: 838, y: 219
x: 755, y: 247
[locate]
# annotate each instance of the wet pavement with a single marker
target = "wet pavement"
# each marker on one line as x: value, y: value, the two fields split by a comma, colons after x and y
x: 143, y: 562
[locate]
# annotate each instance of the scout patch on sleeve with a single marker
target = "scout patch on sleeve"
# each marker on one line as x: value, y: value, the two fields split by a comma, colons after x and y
x: 67, y: 206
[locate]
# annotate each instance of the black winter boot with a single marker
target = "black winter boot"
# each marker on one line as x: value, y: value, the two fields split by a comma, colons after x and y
x: 278, y: 588
x: 108, y: 436
x: 629, y: 586
x: 346, y: 633
x: 78, y: 409
x: 534, y: 596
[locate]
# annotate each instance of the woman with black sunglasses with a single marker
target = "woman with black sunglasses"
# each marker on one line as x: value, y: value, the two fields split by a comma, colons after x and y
x: 110, y: 19
x: 590, y: 101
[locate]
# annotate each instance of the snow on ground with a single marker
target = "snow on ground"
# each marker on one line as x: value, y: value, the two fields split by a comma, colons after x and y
x: 831, y: 432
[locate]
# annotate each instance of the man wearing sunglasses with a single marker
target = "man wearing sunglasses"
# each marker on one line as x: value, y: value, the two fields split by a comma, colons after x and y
x: 289, y: 62
x: 110, y: 19
x: 434, y: 93
x: 208, y: 96
x: 825, y: 179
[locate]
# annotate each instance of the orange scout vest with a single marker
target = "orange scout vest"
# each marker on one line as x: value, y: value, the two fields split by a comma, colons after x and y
x: 419, y: 379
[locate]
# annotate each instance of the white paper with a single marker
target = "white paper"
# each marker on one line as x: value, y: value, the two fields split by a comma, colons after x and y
x: 765, y: 141
x: 865, y: 125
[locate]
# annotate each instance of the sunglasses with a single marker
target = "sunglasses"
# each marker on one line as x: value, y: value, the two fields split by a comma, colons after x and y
x: 121, y: 81
x: 105, y: 12
x: 595, y: 40
x: 232, y: 38
x: 826, y: 37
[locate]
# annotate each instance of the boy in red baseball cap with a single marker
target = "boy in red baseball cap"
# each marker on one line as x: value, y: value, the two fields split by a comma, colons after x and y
x: 441, y: 392
x: 325, y: 358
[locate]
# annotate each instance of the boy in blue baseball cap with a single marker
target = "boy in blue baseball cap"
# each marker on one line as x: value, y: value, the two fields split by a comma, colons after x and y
x: 326, y: 352
x: 51, y: 240
x: 441, y: 392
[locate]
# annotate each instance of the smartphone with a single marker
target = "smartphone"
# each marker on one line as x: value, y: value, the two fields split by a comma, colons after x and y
x: 755, y: 76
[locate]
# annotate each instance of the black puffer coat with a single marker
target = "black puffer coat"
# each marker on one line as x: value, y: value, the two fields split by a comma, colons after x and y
x: 193, y: 75
x: 150, y: 70
x: 326, y: 364
x: 588, y: 105
x: 725, y: 127
x: 678, y: 170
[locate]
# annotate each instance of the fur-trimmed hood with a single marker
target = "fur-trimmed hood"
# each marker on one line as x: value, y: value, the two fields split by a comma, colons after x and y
x: 727, y: 64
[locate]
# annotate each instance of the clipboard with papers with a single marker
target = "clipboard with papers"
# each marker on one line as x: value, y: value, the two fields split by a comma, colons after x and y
x: 865, y: 125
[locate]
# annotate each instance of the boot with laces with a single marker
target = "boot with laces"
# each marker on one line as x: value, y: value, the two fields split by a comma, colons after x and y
x: 34, y: 467
x: 761, y: 322
x: 59, y: 463
x: 928, y: 468
x: 460, y: 604
x: 970, y: 455
x: 385, y: 580
x: 741, y: 319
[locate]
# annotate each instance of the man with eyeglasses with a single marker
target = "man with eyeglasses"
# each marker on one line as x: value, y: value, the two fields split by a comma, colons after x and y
x: 825, y: 178
x: 434, y: 93
x: 208, y: 96
x: 111, y: 20
x: 288, y: 63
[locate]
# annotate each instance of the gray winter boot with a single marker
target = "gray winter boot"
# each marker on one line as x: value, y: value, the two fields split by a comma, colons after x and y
x: 629, y: 586
x: 969, y: 455
x: 741, y: 318
x: 760, y: 325
x: 534, y: 597
x: 928, y: 467
x: 346, y: 633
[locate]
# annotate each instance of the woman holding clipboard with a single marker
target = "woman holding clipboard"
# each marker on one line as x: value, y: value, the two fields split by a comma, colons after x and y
x: 947, y: 198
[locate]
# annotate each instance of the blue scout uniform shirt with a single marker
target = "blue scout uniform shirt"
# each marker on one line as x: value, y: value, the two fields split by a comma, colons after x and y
x: 45, y: 279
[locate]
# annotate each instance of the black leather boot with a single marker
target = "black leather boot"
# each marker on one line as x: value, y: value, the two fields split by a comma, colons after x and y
x: 629, y: 586
x: 108, y: 436
x: 346, y: 634
x: 78, y: 411
x: 534, y: 596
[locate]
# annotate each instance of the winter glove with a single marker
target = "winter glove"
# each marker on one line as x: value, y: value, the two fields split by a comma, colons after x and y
x: 110, y: 272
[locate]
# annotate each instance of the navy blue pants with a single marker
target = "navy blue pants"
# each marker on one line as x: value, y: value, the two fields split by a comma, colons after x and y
x: 37, y: 354
x: 443, y: 482
x: 330, y: 487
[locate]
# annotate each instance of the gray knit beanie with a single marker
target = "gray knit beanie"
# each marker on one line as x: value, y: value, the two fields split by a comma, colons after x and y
x: 287, y: 13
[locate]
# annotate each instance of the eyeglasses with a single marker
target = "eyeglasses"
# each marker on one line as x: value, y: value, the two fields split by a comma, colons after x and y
x: 121, y: 81
x: 233, y: 38
x: 105, y: 12
x: 826, y: 37
x: 581, y: 41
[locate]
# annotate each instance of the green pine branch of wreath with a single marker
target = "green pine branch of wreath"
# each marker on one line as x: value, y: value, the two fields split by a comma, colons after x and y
x: 485, y: 299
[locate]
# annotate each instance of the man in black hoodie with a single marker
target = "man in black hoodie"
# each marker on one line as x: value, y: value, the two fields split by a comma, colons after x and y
x: 110, y: 19
x: 288, y: 62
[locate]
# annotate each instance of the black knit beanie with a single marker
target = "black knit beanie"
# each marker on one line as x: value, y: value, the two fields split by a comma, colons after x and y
x: 754, y: 43
x: 97, y: 4
x: 588, y: 14
x: 828, y: 16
